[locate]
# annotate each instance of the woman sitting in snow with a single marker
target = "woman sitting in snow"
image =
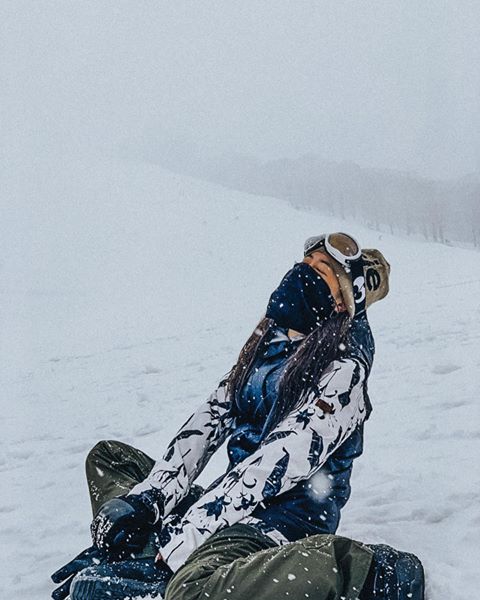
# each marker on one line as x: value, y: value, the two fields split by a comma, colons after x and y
x: 293, y: 410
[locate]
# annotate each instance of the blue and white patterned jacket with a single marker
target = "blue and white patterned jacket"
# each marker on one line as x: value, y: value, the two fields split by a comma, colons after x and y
x: 289, y: 485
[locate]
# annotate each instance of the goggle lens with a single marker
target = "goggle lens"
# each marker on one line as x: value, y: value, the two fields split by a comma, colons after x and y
x: 346, y: 245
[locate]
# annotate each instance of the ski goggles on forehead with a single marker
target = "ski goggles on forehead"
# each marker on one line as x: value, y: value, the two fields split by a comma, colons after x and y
x: 342, y: 247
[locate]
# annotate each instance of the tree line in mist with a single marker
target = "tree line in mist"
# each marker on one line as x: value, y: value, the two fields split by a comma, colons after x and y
x: 447, y: 212
x: 387, y: 200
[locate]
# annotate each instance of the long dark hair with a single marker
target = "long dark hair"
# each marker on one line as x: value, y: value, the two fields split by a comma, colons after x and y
x: 303, y: 368
x: 241, y: 370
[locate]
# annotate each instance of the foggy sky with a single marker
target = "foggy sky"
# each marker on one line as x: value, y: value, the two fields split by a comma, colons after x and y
x: 388, y: 83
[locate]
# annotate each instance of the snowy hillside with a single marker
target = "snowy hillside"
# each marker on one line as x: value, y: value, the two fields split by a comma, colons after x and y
x: 126, y: 292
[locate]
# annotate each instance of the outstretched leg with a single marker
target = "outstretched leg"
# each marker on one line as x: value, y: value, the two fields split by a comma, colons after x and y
x: 237, y: 563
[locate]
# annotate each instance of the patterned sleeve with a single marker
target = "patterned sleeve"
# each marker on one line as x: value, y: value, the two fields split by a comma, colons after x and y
x: 292, y: 452
x: 190, y: 450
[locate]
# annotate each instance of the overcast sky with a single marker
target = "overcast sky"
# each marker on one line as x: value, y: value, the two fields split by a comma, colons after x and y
x: 388, y: 83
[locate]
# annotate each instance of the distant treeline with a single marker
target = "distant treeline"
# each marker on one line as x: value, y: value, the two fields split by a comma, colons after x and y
x: 383, y: 199
x: 446, y: 212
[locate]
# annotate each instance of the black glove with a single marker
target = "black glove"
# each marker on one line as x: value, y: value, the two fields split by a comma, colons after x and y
x: 130, y: 578
x: 87, y: 558
x: 122, y: 525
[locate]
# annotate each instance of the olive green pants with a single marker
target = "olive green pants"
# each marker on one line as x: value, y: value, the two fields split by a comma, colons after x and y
x: 113, y: 468
x: 238, y: 563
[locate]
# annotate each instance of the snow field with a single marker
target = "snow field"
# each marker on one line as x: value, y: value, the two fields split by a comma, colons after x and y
x: 126, y: 292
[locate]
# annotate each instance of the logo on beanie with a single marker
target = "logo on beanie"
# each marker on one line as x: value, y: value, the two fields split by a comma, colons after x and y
x: 373, y: 279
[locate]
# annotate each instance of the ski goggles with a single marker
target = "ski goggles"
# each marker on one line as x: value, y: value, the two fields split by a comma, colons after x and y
x: 342, y: 247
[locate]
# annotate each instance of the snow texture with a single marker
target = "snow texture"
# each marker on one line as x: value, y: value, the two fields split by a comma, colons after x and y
x: 126, y: 293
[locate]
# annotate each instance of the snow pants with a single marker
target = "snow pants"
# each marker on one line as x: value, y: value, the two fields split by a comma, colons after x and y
x: 112, y: 469
x: 238, y: 559
x: 239, y: 562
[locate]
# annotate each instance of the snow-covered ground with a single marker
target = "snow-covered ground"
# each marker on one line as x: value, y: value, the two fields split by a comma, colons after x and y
x: 126, y: 292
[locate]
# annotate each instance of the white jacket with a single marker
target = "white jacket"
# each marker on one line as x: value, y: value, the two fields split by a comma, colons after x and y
x: 292, y: 452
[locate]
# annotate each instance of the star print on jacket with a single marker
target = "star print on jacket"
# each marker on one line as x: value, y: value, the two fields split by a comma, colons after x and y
x: 292, y: 452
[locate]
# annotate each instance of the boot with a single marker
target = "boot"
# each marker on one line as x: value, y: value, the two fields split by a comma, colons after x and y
x: 393, y: 575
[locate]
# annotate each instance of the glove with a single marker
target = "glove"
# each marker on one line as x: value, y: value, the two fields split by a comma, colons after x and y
x: 87, y: 558
x: 122, y: 525
x: 130, y: 578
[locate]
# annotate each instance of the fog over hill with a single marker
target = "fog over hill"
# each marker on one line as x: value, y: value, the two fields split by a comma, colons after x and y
x: 368, y: 110
x: 444, y: 211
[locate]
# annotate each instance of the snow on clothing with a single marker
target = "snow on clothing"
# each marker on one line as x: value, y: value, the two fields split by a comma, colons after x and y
x: 237, y: 560
x: 302, y: 301
x: 267, y: 484
x: 239, y: 563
